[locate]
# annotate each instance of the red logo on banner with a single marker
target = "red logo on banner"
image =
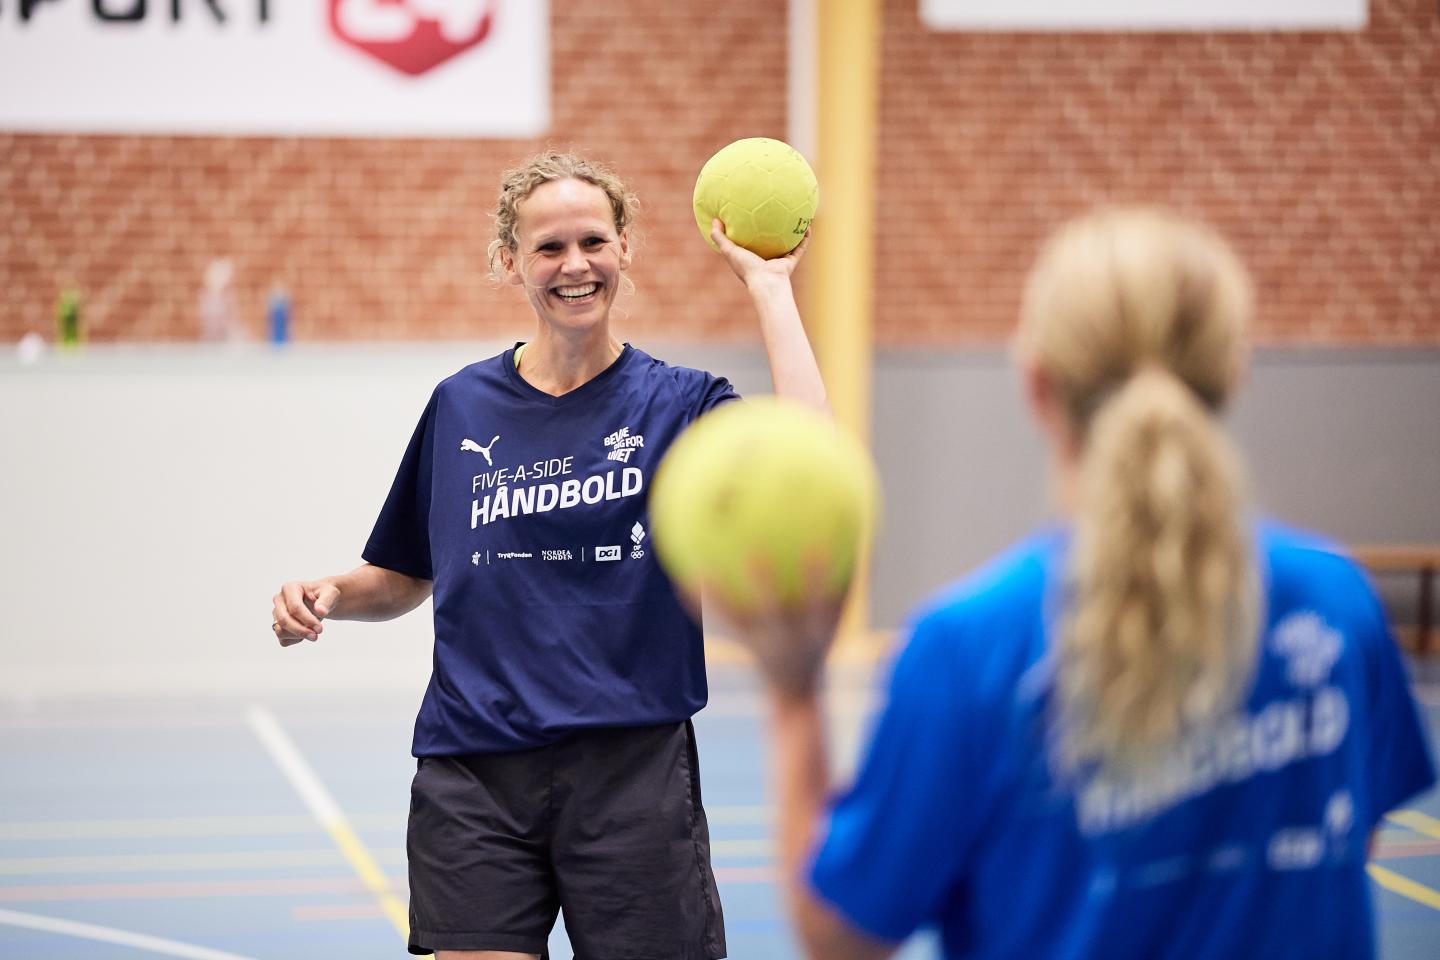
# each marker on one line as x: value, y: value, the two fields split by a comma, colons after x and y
x: 412, y: 36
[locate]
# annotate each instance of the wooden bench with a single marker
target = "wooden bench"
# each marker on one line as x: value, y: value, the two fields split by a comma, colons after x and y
x: 1407, y: 558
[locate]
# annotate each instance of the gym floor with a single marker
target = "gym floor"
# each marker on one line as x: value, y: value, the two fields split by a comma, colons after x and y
x: 232, y: 830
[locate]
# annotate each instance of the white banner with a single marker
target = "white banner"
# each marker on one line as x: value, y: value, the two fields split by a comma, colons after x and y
x: 1118, y: 15
x: 382, y: 68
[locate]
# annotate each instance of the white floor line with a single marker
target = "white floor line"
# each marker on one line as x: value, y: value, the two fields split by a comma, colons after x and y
x: 284, y: 752
x: 89, y: 931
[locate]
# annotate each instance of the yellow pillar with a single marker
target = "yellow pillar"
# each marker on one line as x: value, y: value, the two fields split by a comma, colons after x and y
x: 839, y: 274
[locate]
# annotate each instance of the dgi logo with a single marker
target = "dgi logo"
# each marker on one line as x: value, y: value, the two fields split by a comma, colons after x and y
x: 413, y: 36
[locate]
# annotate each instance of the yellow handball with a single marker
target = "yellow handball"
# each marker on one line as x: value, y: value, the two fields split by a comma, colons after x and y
x: 762, y: 190
x: 756, y: 489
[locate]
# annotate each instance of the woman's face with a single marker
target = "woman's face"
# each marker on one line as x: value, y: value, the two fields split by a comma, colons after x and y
x: 569, y: 256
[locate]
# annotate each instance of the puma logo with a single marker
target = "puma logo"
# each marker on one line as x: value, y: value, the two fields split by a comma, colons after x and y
x: 484, y: 451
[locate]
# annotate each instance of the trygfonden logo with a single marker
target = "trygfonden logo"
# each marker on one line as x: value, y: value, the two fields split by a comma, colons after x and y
x: 412, y: 36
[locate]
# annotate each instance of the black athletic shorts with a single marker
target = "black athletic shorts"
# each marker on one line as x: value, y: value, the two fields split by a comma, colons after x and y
x: 605, y: 826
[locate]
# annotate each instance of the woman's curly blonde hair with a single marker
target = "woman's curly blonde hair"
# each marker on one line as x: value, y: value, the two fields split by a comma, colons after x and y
x: 518, y: 183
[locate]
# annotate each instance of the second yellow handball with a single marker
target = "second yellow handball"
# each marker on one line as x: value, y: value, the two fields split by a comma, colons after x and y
x: 756, y: 489
x: 764, y: 192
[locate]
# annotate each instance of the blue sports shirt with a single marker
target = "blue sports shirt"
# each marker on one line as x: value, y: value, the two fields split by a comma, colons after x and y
x: 1250, y: 843
x: 529, y: 514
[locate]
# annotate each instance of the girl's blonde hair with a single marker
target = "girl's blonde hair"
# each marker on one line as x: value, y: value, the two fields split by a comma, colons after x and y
x: 520, y: 182
x: 1138, y: 319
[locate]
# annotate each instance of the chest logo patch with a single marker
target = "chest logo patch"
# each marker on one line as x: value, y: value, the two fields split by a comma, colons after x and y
x: 473, y: 447
x: 1310, y: 647
x: 623, y: 444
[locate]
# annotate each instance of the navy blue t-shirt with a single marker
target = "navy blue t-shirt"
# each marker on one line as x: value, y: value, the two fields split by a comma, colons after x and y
x: 529, y: 514
x: 1250, y: 843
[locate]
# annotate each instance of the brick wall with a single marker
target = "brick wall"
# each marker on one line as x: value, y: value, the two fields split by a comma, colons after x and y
x: 1316, y: 153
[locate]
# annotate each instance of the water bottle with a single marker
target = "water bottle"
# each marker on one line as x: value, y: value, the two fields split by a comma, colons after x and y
x: 279, y: 315
x: 67, y: 320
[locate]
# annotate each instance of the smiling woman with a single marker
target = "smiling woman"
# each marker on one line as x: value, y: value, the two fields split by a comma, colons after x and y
x: 570, y: 258
x: 566, y: 669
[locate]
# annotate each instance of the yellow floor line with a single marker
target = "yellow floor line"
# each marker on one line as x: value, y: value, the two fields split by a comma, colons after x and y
x: 1404, y: 886
x: 371, y: 875
x: 1417, y: 821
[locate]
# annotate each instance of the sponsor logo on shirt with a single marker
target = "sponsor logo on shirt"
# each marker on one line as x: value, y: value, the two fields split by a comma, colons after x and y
x: 1309, y: 646
x: 1295, y: 848
x: 622, y: 444
x: 1340, y: 813
x: 607, y: 553
x: 473, y: 447
x: 637, y: 534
